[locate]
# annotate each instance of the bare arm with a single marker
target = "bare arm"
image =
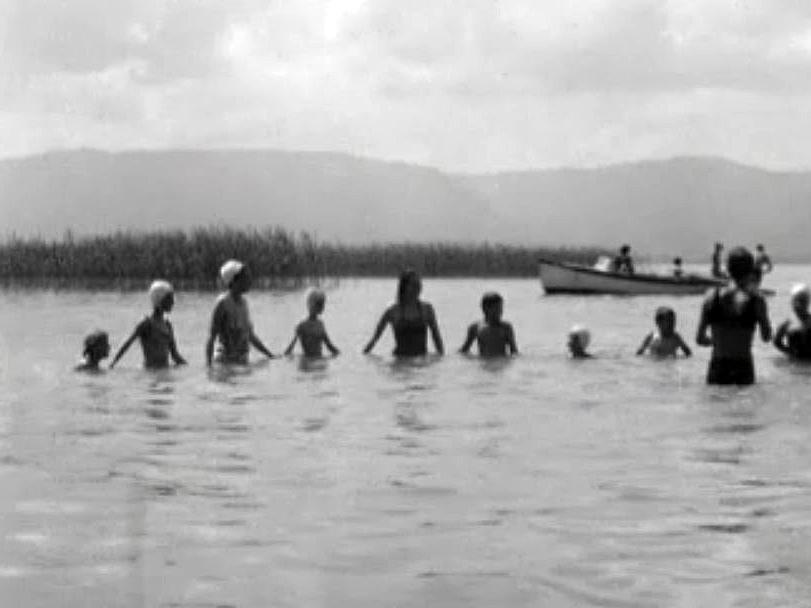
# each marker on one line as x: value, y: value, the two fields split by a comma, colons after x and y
x: 702, y: 336
x: 257, y: 344
x: 763, y: 320
x: 469, y: 339
x: 216, y: 324
x: 176, y: 356
x: 381, y: 326
x: 780, y: 338
x: 434, y: 327
x: 291, y: 346
x: 645, y: 344
x: 511, y: 345
x: 683, y: 345
x: 126, y: 345
x: 328, y: 343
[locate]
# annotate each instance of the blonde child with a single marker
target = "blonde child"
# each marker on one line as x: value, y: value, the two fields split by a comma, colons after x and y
x: 311, y: 331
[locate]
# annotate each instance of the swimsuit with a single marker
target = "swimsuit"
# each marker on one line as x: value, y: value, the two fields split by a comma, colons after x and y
x: 233, y: 325
x: 410, y: 334
x: 731, y: 370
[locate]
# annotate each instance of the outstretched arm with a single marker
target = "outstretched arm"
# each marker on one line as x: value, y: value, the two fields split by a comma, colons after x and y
x: 469, y: 339
x: 125, y: 347
x: 176, y: 356
x: 257, y: 344
x: 511, y: 345
x: 702, y: 335
x: 292, y: 345
x: 434, y: 327
x: 381, y: 326
x: 645, y: 344
x: 683, y: 345
x: 328, y: 343
x: 780, y: 338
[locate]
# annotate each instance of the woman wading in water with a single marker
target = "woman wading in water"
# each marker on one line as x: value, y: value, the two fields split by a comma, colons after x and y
x: 410, y: 319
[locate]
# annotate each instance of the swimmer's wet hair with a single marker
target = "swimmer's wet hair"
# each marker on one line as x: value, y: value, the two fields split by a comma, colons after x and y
x: 316, y: 296
x: 407, y: 276
x: 491, y: 298
x: 664, y: 312
x: 740, y: 263
x: 93, y: 340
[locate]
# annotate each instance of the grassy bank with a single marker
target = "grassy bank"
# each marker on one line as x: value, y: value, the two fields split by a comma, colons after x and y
x: 276, y: 256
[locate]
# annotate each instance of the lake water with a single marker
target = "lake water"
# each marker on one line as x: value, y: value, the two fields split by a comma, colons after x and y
x: 542, y: 481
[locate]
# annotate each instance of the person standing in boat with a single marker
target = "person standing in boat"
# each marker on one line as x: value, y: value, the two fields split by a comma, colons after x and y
x: 410, y: 319
x: 729, y: 316
x: 763, y: 263
x: 623, y: 262
x: 717, y: 272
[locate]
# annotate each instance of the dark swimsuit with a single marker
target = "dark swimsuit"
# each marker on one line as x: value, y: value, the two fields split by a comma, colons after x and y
x: 410, y: 335
x: 732, y: 370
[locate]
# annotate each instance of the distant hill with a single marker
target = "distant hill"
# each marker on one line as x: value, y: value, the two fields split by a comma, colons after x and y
x: 678, y: 206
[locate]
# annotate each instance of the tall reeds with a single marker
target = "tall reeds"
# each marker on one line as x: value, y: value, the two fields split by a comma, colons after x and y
x: 276, y: 256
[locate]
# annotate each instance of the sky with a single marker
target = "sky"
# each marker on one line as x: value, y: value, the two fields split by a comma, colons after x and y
x: 463, y: 85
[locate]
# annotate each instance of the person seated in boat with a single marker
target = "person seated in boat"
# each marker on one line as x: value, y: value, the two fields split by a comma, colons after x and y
x: 410, y: 319
x: 578, y: 342
x: 763, y: 263
x: 678, y: 271
x: 96, y: 348
x: 231, y: 321
x: 623, y: 262
x: 493, y: 336
x: 793, y: 337
x: 155, y: 331
x: 311, y: 332
x: 716, y: 270
x: 729, y: 316
x: 665, y: 341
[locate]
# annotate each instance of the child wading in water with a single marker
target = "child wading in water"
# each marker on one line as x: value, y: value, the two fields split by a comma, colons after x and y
x: 96, y: 348
x: 231, y: 321
x: 731, y: 313
x: 794, y: 337
x: 579, y: 338
x: 311, y: 332
x: 665, y: 341
x: 494, y: 337
x: 155, y: 331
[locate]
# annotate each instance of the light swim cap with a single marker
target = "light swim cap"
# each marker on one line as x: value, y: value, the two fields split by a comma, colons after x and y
x: 229, y: 270
x: 582, y: 334
x: 316, y: 296
x: 158, y: 291
x: 800, y: 290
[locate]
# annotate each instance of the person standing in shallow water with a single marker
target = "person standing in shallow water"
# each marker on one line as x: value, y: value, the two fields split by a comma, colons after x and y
x: 730, y: 314
x: 231, y: 321
x: 793, y: 337
x: 410, y: 319
x: 716, y: 269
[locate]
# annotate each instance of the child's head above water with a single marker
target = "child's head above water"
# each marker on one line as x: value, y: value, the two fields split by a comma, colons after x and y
x: 162, y: 295
x: 740, y: 264
x: 316, y: 300
x: 96, y: 347
x: 665, y: 319
x: 235, y: 276
x: 579, y: 338
x: 492, y: 306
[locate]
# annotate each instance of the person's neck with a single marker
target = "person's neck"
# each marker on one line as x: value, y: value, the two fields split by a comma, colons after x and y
x: 158, y: 314
x: 313, y: 316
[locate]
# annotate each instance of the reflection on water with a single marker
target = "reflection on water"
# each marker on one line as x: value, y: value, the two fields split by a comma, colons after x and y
x: 367, y: 481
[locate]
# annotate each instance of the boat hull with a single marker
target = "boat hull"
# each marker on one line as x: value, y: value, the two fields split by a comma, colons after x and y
x: 558, y: 277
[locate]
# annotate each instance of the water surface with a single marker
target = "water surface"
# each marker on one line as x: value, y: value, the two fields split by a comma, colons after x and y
x: 360, y: 481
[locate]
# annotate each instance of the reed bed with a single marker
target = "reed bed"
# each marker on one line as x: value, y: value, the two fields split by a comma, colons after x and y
x: 277, y: 257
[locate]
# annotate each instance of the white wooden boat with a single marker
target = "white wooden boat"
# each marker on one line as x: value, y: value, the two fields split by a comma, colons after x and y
x: 561, y: 277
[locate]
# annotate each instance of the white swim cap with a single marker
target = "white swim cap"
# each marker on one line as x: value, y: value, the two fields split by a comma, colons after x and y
x: 582, y: 334
x: 800, y: 290
x: 158, y: 291
x: 229, y: 270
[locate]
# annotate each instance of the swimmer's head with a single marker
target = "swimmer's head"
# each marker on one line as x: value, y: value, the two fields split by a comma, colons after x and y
x: 579, y: 339
x: 96, y: 346
x: 760, y: 248
x: 235, y: 275
x: 161, y: 294
x: 409, y: 286
x: 492, y: 306
x: 740, y: 264
x: 677, y: 261
x: 625, y: 249
x: 316, y: 300
x: 800, y: 298
x: 719, y: 246
x: 665, y: 318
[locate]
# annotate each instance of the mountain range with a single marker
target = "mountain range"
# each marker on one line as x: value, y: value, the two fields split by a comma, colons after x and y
x: 679, y: 206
